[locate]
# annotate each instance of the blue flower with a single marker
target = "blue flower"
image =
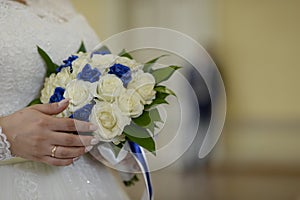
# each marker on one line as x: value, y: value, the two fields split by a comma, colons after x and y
x: 83, y: 114
x: 101, y: 52
x: 89, y: 74
x: 121, y: 71
x: 67, y: 63
x: 58, y: 95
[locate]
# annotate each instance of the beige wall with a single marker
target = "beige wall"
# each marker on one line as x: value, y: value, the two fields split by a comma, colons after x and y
x: 258, y: 53
x: 256, y: 46
x: 193, y: 17
x: 260, y: 57
x: 107, y: 17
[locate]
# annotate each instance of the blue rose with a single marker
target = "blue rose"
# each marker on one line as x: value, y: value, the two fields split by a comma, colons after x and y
x: 101, y: 52
x: 67, y: 63
x: 83, y: 114
x: 121, y: 71
x: 89, y: 74
x: 58, y: 95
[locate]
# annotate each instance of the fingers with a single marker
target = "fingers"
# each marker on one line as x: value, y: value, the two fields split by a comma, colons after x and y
x: 61, y: 124
x: 68, y: 146
x: 69, y: 152
x: 71, y: 125
x: 62, y: 156
x: 70, y: 140
x: 52, y: 108
x: 57, y: 161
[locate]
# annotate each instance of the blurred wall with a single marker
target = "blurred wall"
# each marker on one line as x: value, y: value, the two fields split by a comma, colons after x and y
x: 258, y: 52
x: 255, y: 45
x: 107, y: 17
x: 194, y: 17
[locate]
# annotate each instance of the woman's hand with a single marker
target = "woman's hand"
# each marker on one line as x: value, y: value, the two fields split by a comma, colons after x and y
x: 33, y: 133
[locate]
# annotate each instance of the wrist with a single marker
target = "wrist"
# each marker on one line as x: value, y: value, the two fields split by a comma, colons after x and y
x: 6, y: 127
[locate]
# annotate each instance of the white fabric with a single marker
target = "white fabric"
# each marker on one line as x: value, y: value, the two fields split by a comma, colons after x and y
x: 58, y: 29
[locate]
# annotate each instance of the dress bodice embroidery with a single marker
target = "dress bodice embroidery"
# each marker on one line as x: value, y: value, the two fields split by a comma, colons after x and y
x: 52, y: 25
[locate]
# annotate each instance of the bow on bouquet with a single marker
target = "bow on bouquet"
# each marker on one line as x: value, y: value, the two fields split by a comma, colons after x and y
x: 114, y: 92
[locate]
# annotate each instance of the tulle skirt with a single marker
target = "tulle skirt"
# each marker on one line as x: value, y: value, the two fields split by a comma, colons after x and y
x: 86, y: 179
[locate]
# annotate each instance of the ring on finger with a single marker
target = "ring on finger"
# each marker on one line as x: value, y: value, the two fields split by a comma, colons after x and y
x: 53, y: 150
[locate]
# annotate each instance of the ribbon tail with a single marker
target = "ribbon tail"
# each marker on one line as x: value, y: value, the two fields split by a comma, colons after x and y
x: 140, y: 157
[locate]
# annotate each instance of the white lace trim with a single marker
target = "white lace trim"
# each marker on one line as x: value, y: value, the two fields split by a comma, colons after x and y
x: 5, y: 153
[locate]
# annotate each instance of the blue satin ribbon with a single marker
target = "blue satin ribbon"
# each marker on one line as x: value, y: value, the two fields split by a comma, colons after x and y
x: 139, y: 155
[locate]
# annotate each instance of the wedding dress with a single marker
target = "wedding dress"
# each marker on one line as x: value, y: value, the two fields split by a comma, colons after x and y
x: 58, y: 29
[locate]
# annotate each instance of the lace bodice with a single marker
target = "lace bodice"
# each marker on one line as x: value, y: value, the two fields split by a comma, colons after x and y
x: 52, y: 25
x: 58, y: 29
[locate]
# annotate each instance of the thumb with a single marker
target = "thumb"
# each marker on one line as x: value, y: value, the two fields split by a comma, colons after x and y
x: 52, y: 108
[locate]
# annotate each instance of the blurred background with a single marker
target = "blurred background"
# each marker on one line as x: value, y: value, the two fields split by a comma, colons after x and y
x: 256, y: 46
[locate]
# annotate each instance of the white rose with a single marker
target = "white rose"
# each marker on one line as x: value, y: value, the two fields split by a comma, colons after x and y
x: 80, y: 93
x: 143, y: 84
x: 109, y: 87
x: 130, y: 104
x: 63, y: 78
x: 132, y: 64
x: 109, y: 119
x: 80, y: 62
x: 103, y: 62
x: 48, y: 89
x: 55, y: 80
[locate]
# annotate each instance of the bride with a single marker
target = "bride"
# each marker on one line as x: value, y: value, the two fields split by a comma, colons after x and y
x: 47, y: 163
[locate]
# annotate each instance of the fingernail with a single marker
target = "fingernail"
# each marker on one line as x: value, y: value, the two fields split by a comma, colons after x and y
x: 95, y: 141
x: 75, y: 159
x: 63, y: 103
x: 93, y: 127
x: 88, y: 148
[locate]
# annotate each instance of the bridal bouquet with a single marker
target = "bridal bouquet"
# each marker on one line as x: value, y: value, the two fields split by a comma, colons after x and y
x: 115, y: 92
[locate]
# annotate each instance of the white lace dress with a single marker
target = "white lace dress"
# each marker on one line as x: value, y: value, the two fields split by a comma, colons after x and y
x: 58, y: 29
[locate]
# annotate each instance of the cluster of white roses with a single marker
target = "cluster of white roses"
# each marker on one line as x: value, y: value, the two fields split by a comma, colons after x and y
x: 116, y: 88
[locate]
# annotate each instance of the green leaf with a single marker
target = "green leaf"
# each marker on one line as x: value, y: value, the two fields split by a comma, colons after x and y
x: 162, y: 92
x: 51, y: 66
x: 148, y: 65
x: 148, y: 119
x: 132, y: 181
x: 34, y: 102
x: 140, y: 136
x: 120, y: 145
x: 124, y: 53
x: 116, y: 148
x: 164, y: 74
x: 161, y: 96
x: 155, y: 103
x: 155, y: 116
x: 143, y: 120
x: 82, y: 48
x: 151, y: 127
x: 164, y: 89
x: 159, y: 99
